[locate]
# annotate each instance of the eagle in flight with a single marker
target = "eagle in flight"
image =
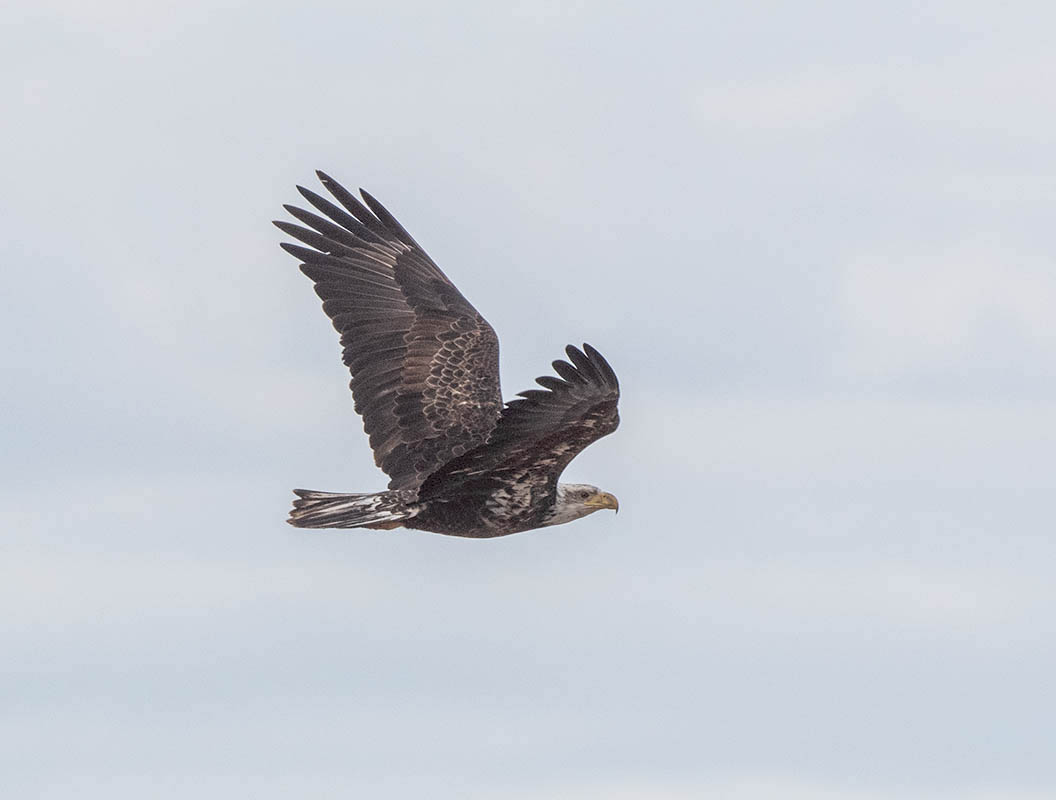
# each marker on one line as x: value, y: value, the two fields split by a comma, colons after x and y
x: 425, y: 379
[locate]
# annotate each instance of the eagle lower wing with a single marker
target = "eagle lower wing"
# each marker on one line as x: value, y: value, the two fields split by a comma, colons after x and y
x: 539, y: 433
x: 424, y: 362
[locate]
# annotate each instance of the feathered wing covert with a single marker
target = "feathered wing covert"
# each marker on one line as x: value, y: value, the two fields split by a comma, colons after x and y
x: 539, y: 433
x: 424, y: 362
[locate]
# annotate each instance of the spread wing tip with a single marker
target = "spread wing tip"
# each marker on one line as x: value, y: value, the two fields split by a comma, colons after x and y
x: 587, y: 365
x: 588, y: 368
x: 591, y: 365
x: 328, y: 181
x: 599, y: 361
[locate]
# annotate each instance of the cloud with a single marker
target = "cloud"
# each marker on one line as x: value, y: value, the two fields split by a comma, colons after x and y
x: 995, y: 94
x: 808, y: 101
x: 773, y: 219
x: 839, y: 440
x: 760, y: 788
x: 950, y: 309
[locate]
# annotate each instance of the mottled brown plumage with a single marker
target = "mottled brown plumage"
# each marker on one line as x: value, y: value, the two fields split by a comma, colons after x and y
x: 425, y: 379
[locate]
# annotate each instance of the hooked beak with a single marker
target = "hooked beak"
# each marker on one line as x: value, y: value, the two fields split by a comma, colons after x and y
x: 604, y: 500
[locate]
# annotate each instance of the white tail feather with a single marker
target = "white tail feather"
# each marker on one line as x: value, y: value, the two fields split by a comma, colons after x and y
x: 333, y: 510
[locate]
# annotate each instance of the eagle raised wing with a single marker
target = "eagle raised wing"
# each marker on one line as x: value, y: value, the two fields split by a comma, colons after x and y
x: 424, y: 362
x: 539, y: 433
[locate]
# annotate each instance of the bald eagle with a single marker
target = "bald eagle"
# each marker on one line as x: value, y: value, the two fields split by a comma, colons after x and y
x: 425, y: 379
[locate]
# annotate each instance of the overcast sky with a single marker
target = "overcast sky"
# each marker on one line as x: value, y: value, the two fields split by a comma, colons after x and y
x: 814, y: 239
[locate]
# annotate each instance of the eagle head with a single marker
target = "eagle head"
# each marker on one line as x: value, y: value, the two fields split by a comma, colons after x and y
x: 575, y: 500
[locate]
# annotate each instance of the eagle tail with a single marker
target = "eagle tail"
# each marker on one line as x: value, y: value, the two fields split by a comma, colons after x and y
x: 331, y: 510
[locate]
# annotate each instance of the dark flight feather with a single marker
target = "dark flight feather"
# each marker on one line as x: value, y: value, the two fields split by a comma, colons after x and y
x: 407, y: 332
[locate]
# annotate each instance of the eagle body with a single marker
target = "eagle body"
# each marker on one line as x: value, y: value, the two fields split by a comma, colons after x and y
x: 425, y: 379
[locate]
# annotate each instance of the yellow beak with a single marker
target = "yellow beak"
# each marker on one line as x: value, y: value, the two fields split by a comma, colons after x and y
x: 604, y: 500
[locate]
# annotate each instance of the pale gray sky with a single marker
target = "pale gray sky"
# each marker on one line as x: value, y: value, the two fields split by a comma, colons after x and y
x: 815, y: 240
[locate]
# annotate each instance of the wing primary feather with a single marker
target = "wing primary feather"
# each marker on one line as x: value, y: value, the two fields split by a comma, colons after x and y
x: 352, y: 203
x: 390, y: 221
x: 567, y: 371
x: 599, y: 360
x: 342, y: 217
x: 533, y: 394
x: 368, y: 283
x: 310, y: 256
x: 551, y: 383
x: 326, y: 227
x: 314, y: 239
x: 583, y: 364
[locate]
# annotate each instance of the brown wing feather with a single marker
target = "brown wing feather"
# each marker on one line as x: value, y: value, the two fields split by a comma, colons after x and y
x: 424, y: 362
x: 539, y: 433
